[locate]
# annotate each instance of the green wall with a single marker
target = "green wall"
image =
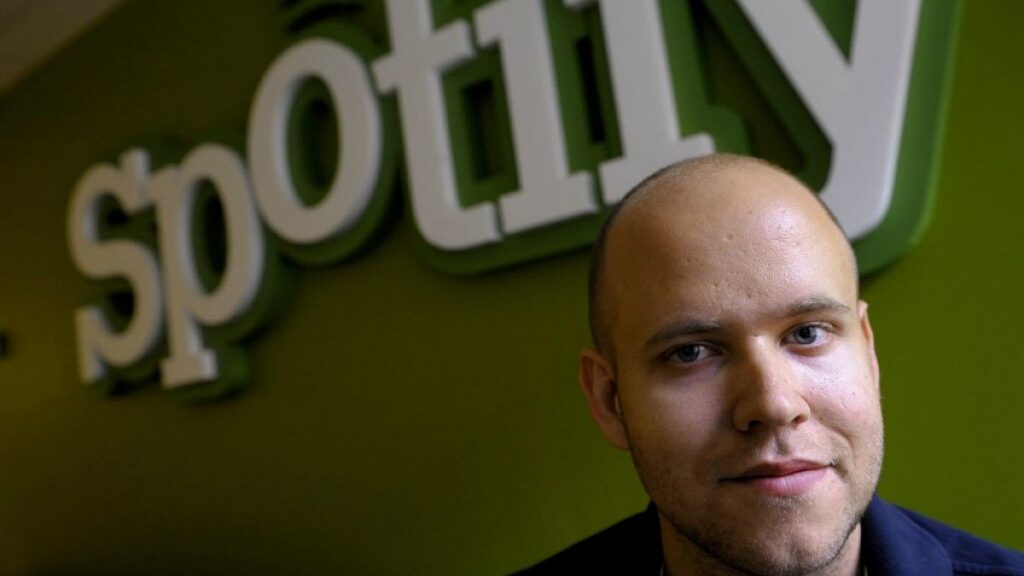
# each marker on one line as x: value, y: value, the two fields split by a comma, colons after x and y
x: 401, y: 420
x: 949, y: 317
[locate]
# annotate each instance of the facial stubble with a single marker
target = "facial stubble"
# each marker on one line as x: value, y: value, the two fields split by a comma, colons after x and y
x: 726, y: 550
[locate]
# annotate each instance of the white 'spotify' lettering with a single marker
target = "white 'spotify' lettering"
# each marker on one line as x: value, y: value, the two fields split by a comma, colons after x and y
x: 859, y: 104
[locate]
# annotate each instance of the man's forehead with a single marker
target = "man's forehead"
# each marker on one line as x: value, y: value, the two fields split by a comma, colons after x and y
x: 736, y: 228
x: 706, y: 212
x: 746, y: 203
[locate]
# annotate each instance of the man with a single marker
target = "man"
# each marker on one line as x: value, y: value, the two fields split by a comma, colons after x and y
x: 735, y: 361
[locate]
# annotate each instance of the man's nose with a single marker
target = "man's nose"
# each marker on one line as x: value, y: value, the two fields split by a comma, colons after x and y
x: 768, y: 393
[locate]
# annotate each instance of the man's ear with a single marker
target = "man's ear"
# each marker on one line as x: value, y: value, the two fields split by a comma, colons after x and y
x: 599, y: 386
x: 869, y: 336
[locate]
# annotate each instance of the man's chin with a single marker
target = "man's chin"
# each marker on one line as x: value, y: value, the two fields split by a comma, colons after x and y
x: 787, y: 545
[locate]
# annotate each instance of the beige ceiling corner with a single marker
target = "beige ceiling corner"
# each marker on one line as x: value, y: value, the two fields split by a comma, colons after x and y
x: 32, y: 30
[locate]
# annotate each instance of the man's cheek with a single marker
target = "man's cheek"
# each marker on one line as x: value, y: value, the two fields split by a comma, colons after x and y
x: 682, y: 437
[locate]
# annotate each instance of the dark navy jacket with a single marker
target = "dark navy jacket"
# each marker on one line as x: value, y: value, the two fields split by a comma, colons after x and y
x: 894, y: 542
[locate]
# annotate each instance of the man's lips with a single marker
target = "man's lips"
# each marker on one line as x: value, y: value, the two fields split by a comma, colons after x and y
x: 782, y: 478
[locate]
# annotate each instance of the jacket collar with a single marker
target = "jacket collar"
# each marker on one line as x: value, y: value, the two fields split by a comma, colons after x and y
x: 892, y: 543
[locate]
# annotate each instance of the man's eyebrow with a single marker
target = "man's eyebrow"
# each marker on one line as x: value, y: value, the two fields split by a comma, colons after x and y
x: 817, y: 304
x: 682, y: 328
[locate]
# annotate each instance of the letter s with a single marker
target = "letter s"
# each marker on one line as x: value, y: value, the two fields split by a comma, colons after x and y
x: 99, y: 346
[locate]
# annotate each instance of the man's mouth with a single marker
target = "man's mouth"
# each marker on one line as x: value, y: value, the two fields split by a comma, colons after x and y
x: 782, y: 478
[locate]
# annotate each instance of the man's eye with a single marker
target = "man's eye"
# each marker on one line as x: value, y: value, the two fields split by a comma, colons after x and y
x: 808, y: 334
x: 689, y: 353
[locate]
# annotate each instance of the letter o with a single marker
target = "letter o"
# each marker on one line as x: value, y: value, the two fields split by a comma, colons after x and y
x: 359, y: 150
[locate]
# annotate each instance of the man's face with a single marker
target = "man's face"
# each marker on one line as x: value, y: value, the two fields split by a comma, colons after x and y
x: 743, y: 373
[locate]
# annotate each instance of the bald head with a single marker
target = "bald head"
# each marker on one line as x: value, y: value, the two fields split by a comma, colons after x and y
x: 712, y: 209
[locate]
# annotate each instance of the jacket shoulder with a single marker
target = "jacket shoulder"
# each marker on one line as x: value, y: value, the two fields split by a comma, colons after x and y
x: 970, y: 554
